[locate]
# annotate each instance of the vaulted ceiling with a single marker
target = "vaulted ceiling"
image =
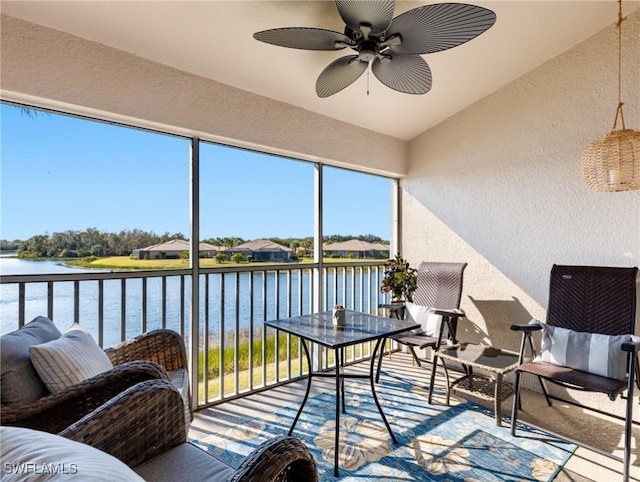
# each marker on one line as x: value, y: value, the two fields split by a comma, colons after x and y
x: 214, y: 39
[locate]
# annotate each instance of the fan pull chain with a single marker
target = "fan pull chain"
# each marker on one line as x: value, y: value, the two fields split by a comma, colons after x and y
x: 368, y: 69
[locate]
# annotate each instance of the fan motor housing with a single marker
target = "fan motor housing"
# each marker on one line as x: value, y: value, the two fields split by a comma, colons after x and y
x: 367, y: 50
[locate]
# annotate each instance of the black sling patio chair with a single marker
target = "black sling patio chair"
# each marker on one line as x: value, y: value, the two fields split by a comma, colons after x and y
x: 587, y: 339
x: 438, y: 293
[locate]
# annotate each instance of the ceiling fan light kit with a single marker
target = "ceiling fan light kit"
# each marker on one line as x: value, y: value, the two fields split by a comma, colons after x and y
x: 613, y: 163
x: 390, y: 46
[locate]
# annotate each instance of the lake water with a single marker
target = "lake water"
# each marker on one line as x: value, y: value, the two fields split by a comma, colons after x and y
x: 220, y: 316
x: 11, y: 265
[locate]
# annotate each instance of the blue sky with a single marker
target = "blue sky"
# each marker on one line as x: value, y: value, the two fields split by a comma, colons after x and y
x: 60, y: 173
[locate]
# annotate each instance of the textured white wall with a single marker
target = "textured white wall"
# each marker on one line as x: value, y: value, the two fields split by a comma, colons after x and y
x: 51, y: 69
x: 499, y: 185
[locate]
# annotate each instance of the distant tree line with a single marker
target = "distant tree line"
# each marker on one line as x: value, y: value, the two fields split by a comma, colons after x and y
x: 228, y: 242
x: 339, y: 238
x: 93, y: 242
x: 6, y: 245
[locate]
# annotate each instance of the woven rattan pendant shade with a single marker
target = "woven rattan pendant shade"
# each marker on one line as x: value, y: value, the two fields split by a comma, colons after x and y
x: 613, y: 163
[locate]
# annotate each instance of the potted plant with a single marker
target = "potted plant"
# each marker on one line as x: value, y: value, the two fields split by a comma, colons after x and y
x: 400, y: 279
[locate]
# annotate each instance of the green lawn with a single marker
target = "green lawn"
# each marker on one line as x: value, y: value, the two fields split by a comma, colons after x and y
x: 125, y: 262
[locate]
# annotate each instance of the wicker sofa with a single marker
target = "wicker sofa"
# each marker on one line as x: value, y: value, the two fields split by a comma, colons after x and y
x: 159, y: 355
x: 143, y: 427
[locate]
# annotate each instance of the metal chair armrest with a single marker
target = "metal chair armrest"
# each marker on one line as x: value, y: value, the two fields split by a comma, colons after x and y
x: 526, y: 328
x: 631, y: 346
x: 450, y: 313
x: 526, y: 331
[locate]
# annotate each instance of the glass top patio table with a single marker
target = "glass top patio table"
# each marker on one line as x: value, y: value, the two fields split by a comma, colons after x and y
x: 359, y: 327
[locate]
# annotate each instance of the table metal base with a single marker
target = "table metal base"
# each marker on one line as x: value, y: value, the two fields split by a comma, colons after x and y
x: 340, y: 376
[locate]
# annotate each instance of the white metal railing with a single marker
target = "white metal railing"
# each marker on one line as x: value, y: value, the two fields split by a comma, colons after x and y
x: 113, y: 306
x: 236, y: 354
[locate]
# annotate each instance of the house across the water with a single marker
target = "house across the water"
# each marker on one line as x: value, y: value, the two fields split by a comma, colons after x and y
x: 354, y: 248
x: 262, y: 250
x: 173, y: 248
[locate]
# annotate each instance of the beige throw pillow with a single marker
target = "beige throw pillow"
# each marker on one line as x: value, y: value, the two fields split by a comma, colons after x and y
x: 69, y: 360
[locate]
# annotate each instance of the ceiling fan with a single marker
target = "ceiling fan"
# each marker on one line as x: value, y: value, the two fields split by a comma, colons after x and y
x: 391, y: 46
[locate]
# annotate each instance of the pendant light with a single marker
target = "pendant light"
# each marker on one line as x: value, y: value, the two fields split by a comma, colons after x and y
x: 613, y: 163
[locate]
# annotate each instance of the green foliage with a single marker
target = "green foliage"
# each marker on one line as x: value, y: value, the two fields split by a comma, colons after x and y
x: 238, y: 257
x: 228, y: 242
x: 399, y: 278
x: 306, y: 244
x: 213, y: 354
x: 220, y: 258
x: 90, y: 242
x: 339, y: 238
x: 27, y: 255
x: 184, y: 255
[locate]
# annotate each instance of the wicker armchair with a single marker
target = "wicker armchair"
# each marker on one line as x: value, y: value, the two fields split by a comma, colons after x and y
x: 163, y: 347
x: 158, y: 354
x: 143, y: 428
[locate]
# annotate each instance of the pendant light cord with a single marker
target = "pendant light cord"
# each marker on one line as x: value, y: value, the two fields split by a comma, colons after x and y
x: 620, y: 103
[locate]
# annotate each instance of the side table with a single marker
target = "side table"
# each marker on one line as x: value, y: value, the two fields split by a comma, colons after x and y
x: 396, y: 309
x: 495, y: 362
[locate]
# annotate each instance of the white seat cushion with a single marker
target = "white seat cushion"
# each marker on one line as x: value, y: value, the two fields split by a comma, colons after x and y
x: 185, y: 463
